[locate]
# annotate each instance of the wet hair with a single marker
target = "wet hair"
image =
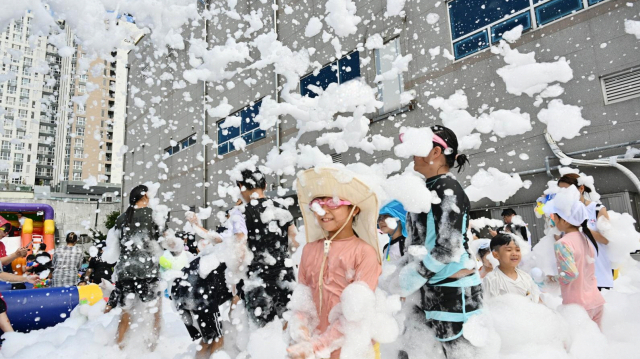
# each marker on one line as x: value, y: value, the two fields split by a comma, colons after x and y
x: 572, y: 179
x: 483, y: 251
x: 135, y: 195
x: 501, y: 239
x: 453, y: 159
x: 191, y: 242
x: 72, y: 238
x: 253, y: 180
x: 508, y: 212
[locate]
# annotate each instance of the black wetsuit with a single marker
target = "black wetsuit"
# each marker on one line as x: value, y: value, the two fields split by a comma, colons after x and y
x: 446, y: 303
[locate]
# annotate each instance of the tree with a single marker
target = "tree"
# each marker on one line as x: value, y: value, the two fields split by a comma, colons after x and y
x: 110, y: 222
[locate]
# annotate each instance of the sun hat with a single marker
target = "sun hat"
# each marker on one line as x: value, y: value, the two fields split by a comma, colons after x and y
x: 344, y: 184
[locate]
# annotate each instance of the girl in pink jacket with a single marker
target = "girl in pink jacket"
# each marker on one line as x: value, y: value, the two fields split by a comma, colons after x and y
x: 340, y: 222
x: 575, y: 255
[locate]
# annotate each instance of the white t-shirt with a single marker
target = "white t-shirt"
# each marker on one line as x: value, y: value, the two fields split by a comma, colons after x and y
x: 497, y: 283
x: 604, y: 274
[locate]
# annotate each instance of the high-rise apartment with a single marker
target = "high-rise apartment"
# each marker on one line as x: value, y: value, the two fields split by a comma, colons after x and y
x: 59, y: 120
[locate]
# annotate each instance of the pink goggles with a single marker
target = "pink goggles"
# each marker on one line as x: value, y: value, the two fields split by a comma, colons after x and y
x: 437, y: 139
x: 330, y: 203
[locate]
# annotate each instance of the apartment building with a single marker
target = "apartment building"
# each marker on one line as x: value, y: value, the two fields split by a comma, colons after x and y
x: 588, y: 33
x: 59, y: 123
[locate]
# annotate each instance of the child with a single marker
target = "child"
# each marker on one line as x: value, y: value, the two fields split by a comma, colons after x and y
x: 393, y: 212
x: 334, y: 211
x: 483, y: 253
x: 507, y: 278
x: 575, y: 256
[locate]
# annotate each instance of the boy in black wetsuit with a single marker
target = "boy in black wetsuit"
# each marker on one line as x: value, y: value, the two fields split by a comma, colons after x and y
x: 271, y: 236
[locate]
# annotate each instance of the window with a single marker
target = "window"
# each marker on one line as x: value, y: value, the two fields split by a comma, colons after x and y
x: 79, y: 131
x: 248, y: 129
x: 79, y: 142
x: 18, y: 157
x: 389, y: 90
x: 17, y: 168
x: 11, y: 100
x: 77, y: 176
x: 78, y: 152
x: 23, y: 114
x: 4, y: 178
x: 5, y: 156
x: 19, y: 146
x: 81, y: 121
x: 340, y: 71
x: 476, y: 24
x: 184, y: 143
x: 77, y: 165
x: 16, y: 180
x: 26, y: 82
x: 20, y: 134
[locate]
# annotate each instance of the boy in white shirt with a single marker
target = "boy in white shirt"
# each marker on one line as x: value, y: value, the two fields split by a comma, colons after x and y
x: 507, y: 278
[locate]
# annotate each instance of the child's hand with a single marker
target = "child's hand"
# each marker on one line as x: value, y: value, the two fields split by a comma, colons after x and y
x: 301, y: 351
x: 33, y: 279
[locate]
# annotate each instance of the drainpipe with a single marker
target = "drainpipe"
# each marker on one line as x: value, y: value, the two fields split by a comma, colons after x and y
x: 204, y: 125
x: 276, y: 84
x: 611, y: 162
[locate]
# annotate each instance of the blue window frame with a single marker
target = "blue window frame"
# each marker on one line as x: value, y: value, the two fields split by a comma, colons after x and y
x: 523, y: 19
x: 467, y: 16
x: 345, y: 69
x: 556, y: 9
x: 471, y: 44
x: 474, y: 22
x: 249, y: 129
x: 181, y: 145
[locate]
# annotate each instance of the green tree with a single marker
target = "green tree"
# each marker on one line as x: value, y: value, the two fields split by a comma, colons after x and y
x: 110, y: 222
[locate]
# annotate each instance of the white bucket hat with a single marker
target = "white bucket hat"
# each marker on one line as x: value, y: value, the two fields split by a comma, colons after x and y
x: 332, y: 182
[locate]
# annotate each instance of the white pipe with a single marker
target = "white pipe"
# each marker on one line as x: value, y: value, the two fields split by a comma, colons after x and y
x: 613, y: 161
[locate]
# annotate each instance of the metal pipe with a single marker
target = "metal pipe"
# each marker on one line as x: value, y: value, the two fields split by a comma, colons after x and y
x: 275, y: 84
x: 602, y: 148
x: 204, y: 125
x: 611, y: 163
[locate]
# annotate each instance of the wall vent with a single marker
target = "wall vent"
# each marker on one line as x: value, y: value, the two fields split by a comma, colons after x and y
x: 336, y: 157
x: 621, y: 86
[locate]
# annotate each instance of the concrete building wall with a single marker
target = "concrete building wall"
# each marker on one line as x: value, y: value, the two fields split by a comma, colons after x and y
x: 578, y: 37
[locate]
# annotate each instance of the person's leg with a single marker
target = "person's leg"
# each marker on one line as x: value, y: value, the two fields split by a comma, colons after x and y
x: 596, y: 315
x: 123, y: 327
x: 5, y: 325
x: 157, y: 324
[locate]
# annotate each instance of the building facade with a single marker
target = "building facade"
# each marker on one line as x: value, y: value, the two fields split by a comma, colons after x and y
x: 60, y: 121
x: 450, y: 46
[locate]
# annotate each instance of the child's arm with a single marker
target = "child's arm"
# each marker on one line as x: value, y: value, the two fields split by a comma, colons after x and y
x: 10, y: 277
x: 564, y: 256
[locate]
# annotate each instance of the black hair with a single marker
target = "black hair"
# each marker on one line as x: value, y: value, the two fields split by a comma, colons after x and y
x: 508, y: 212
x: 501, y: 239
x: 453, y: 159
x: 31, y: 257
x: 252, y: 180
x: 135, y: 195
x: 587, y: 232
x: 72, y: 238
x: 43, y: 246
x: 192, y: 244
x: 483, y: 251
x: 572, y: 179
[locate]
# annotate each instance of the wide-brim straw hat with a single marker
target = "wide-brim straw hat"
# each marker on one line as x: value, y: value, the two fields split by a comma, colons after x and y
x: 344, y: 184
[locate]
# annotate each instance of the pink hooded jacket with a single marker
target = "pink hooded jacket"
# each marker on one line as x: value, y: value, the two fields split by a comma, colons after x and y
x: 349, y: 260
